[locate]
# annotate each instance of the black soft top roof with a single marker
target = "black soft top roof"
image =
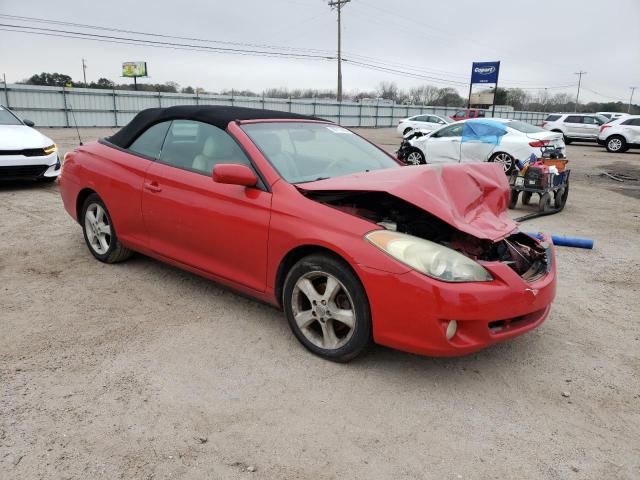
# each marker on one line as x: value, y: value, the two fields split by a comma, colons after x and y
x: 219, y: 116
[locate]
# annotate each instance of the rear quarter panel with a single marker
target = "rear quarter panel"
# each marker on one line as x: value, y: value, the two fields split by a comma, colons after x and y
x: 117, y: 177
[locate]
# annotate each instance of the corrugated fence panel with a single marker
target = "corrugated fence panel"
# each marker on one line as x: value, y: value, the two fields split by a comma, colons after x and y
x: 52, y: 106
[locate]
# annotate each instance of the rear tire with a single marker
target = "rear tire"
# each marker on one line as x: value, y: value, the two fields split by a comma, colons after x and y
x: 616, y: 144
x: 506, y: 160
x: 327, y: 308
x: 100, y: 233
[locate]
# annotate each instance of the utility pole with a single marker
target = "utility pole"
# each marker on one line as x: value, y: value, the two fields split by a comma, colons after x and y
x: 631, y: 98
x: 580, y: 73
x: 338, y: 4
x: 84, y: 72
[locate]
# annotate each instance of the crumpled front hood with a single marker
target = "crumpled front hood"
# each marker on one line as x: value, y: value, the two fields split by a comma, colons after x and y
x: 472, y: 198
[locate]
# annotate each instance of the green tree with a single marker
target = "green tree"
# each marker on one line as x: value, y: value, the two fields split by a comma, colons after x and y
x: 49, y: 79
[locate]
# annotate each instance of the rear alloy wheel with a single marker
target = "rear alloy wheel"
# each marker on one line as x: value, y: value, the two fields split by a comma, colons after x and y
x: 327, y: 308
x: 415, y: 157
x: 616, y: 144
x: 99, y: 232
x: 505, y: 159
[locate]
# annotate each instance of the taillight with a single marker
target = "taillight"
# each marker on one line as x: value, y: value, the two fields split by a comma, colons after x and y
x: 539, y: 143
x: 602, y: 128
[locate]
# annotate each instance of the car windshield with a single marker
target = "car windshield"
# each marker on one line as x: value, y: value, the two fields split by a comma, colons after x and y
x: 305, y: 152
x: 525, y: 127
x: 8, y: 118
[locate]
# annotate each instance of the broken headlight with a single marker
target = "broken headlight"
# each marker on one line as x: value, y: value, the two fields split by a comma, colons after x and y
x: 429, y: 258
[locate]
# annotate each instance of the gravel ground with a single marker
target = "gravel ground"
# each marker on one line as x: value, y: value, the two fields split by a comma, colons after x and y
x: 140, y: 370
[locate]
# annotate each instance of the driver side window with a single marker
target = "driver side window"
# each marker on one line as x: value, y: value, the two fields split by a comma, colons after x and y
x: 452, y: 131
x: 198, y: 146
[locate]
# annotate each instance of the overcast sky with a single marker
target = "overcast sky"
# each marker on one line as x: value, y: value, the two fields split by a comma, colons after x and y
x: 541, y: 43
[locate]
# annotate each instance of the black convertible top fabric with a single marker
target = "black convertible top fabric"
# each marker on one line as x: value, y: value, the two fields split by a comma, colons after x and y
x: 219, y: 116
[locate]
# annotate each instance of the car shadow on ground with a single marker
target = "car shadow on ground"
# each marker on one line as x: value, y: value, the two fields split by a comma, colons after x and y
x: 383, y: 360
x: 20, y: 185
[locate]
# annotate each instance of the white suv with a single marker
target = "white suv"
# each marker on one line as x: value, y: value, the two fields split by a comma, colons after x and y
x: 575, y: 126
x: 621, y: 134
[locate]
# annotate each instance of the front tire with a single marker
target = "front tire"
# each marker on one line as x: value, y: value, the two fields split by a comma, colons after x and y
x: 506, y: 160
x: 616, y: 144
x: 99, y: 232
x: 327, y: 308
x: 415, y: 157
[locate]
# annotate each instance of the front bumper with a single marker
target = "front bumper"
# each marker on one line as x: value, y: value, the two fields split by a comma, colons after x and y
x: 18, y: 167
x: 411, y: 311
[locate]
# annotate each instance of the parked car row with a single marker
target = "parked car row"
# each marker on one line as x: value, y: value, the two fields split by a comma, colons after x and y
x: 616, y: 131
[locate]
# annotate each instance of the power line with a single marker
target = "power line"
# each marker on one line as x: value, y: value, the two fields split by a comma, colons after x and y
x: 145, y: 42
x: 157, y: 35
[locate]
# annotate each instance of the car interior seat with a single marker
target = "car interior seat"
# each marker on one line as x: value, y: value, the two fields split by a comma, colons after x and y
x: 216, y: 149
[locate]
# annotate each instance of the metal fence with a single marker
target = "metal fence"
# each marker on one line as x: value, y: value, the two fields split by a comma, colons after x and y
x: 64, y: 107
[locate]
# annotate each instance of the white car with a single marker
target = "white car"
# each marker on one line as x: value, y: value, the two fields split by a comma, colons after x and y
x: 24, y: 152
x: 518, y: 143
x: 621, y: 134
x: 575, y: 126
x: 425, y: 123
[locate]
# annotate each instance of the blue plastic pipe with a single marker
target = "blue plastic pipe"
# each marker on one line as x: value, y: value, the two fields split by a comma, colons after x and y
x: 562, y: 241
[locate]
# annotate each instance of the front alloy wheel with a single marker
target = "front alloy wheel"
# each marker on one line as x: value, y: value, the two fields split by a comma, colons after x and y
x: 415, y: 157
x: 323, y: 310
x: 327, y: 308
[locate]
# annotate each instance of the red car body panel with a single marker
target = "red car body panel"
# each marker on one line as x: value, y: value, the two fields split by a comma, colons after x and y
x: 240, y: 237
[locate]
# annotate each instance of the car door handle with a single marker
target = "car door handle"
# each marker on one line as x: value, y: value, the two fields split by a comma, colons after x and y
x: 153, y: 187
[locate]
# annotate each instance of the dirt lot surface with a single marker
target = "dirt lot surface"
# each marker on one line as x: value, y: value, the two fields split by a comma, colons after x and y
x: 140, y: 370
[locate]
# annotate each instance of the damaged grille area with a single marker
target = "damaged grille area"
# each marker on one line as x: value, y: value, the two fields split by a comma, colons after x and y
x: 523, y: 254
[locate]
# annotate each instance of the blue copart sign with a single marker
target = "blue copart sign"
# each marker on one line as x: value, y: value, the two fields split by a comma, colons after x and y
x: 485, y: 72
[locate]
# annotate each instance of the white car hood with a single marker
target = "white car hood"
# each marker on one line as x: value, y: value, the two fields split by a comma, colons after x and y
x: 18, y: 137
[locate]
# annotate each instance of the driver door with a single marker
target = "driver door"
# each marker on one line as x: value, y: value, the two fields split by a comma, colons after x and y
x: 443, y: 146
x: 217, y: 228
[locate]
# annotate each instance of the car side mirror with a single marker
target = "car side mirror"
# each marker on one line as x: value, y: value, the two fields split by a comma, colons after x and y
x: 234, y: 174
x: 28, y: 123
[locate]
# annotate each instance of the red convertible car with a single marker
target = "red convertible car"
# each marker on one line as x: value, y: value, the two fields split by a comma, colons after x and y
x: 308, y: 216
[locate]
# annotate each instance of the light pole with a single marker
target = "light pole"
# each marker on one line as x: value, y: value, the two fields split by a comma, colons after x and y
x: 631, y: 98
